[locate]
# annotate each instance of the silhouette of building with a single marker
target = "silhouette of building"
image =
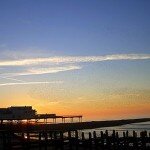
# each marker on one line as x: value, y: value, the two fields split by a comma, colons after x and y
x: 17, y: 112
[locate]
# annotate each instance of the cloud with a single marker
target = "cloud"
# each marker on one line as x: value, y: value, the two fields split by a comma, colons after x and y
x: 38, y: 66
x: 38, y: 71
x: 30, y: 83
x: 12, y: 79
x: 73, y: 59
x: 22, y: 82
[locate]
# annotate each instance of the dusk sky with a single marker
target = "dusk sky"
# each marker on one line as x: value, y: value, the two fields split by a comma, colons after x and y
x: 89, y: 57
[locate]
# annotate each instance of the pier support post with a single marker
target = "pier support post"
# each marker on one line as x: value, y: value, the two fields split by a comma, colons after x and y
x: 28, y: 140
x: 80, y: 119
x: 63, y: 120
x: 102, y: 140
x: 46, y: 140
x: 61, y: 141
x: 90, y: 141
x: 40, y: 143
x: 143, y: 136
x: 76, y: 140
x: 23, y: 140
x: 4, y: 139
x: 70, y: 139
x: 95, y: 139
x: 135, y: 141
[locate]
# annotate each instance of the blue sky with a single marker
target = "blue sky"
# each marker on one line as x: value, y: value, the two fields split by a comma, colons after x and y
x: 47, y: 47
x: 75, y: 27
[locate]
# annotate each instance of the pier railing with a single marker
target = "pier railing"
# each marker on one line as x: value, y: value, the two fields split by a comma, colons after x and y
x: 102, y: 140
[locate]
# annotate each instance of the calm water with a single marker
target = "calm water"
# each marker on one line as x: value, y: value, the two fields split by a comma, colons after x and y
x: 138, y: 127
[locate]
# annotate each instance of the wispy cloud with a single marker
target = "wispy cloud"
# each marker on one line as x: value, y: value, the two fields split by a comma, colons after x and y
x: 8, y: 78
x: 74, y: 59
x: 22, y: 82
x: 38, y: 71
x: 38, y: 66
x: 30, y: 83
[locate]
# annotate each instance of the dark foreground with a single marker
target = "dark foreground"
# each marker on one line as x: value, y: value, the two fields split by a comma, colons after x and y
x: 50, y: 140
x: 64, y: 136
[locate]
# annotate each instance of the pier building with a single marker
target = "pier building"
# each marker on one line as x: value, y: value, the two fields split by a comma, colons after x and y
x: 20, y: 113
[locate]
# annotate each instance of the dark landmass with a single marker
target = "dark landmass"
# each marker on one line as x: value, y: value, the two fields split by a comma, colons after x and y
x: 68, y: 126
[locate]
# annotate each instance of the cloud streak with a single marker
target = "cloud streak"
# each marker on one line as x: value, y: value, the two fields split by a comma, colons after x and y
x: 12, y: 79
x: 30, y: 83
x: 74, y: 59
x: 39, y: 71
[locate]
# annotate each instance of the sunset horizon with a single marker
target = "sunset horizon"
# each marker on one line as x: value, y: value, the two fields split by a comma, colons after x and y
x: 89, y: 58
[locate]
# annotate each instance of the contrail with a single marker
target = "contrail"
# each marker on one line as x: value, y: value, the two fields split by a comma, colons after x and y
x: 30, y: 83
x: 39, y: 71
x: 13, y: 79
x: 74, y: 59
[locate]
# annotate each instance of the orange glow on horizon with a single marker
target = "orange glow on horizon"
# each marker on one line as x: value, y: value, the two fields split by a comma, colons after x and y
x: 131, y: 111
x: 98, y: 109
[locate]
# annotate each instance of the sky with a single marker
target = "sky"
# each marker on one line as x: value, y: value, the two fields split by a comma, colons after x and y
x: 76, y: 57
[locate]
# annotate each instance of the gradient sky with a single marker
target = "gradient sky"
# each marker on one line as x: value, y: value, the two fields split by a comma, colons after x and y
x: 76, y: 57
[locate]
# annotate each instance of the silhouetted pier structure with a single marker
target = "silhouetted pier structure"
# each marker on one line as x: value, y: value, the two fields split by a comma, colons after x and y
x: 71, y: 140
x: 70, y: 117
x: 45, y: 117
x: 22, y: 113
x: 54, y: 117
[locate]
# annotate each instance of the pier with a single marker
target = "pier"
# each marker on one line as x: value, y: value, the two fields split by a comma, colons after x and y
x: 28, y: 114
